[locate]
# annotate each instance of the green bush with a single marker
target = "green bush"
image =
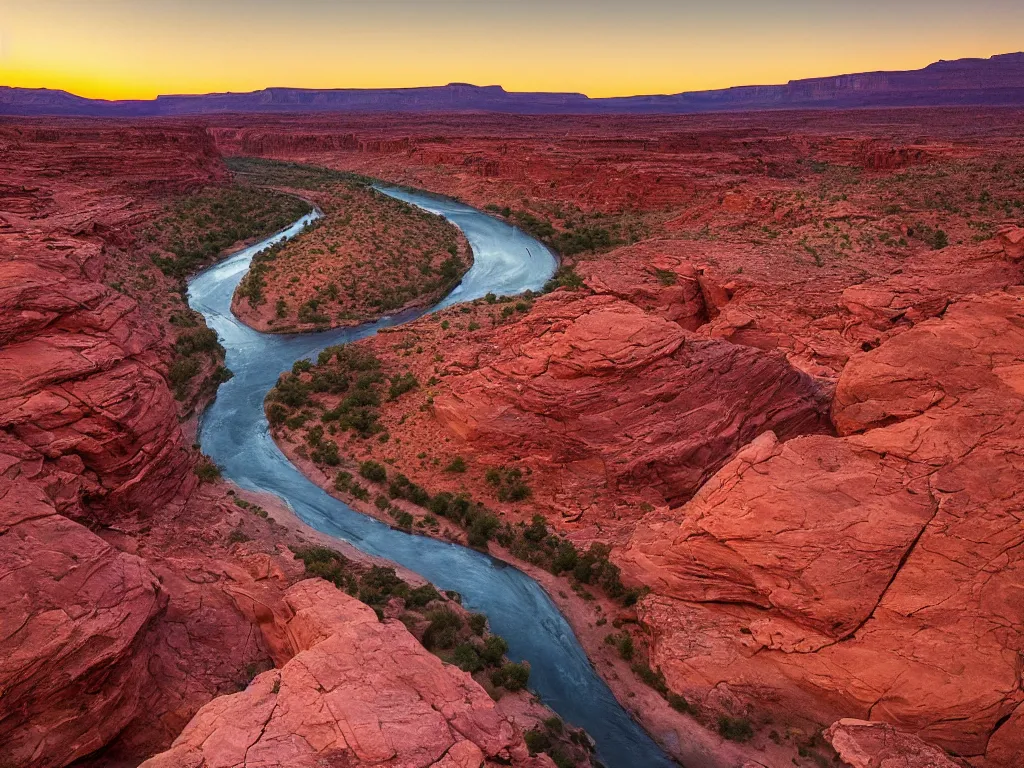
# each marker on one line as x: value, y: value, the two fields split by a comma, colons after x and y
x: 494, y: 650
x: 343, y: 481
x: 373, y: 471
x: 564, y: 277
x: 325, y: 563
x: 466, y: 658
x: 537, y: 741
x: 421, y: 596
x: 655, y: 680
x: 679, y: 703
x: 478, y: 623
x: 511, y: 676
x: 442, y: 632
x: 207, y: 471
x: 380, y: 584
x: 457, y: 464
x: 623, y: 642
x: 238, y: 536
x: 326, y: 452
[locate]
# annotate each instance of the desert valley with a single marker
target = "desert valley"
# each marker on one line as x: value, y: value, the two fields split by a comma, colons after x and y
x: 742, y: 394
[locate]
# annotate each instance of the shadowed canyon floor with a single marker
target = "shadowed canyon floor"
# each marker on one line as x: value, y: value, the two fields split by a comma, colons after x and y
x: 777, y: 382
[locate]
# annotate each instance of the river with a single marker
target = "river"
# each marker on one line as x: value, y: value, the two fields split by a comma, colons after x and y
x: 234, y: 433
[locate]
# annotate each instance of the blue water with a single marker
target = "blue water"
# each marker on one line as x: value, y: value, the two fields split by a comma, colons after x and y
x: 234, y: 433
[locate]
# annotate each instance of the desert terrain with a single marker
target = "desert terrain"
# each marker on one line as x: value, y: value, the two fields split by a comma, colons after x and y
x: 775, y: 375
x: 154, y: 611
x: 766, y: 416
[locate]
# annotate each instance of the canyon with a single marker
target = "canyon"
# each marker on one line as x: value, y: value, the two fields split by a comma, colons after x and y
x: 822, y: 567
x: 141, y: 588
x: 777, y: 376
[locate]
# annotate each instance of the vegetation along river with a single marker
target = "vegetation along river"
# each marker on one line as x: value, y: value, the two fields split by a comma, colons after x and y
x: 235, y: 434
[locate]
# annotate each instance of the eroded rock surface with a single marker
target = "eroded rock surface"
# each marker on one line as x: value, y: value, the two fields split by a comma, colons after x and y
x: 598, y: 385
x: 862, y: 744
x: 879, y: 571
x: 357, y: 692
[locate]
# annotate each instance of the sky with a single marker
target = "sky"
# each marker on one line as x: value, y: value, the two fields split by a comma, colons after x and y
x: 141, y: 48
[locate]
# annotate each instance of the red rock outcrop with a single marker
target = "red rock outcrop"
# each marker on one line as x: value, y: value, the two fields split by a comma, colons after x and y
x: 862, y: 744
x: 876, y: 574
x: 357, y: 692
x: 1011, y: 239
x: 74, y: 633
x: 621, y: 397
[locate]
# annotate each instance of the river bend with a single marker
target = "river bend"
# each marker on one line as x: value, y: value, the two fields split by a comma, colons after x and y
x: 235, y: 434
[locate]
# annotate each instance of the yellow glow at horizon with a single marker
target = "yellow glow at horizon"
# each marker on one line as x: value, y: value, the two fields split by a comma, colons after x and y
x: 94, y: 52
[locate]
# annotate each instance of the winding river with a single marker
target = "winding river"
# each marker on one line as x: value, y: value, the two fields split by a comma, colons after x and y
x: 235, y: 435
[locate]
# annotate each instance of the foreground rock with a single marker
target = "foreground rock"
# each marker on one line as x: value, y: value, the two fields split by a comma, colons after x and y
x: 357, y: 692
x: 876, y: 574
x: 75, y: 631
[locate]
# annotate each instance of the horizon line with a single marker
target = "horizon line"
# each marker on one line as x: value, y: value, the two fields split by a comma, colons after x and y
x: 501, y: 87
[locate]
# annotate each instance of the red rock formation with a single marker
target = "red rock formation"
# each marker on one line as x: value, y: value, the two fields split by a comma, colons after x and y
x: 616, y: 396
x: 861, y: 744
x: 357, y: 692
x: 877, y: 573
x: 74, y: 633
x: 1011, y: 239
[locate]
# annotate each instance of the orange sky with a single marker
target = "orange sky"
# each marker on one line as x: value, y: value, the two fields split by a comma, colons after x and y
x: 140, y: 48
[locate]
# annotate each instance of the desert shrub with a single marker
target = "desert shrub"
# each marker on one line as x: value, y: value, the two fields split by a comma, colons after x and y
x: 421, y: 596
x: 379, y: 584
x: 466, y: 658
x: 537, y: 531
x: 735, y: 728
x: 537, y: 741
x: 373, y: 471
x: 442, y: 632
x: 623, y: 642
x: 666, y: 276
x: 196, y: 341
x: 494, y: 649
x: 325, y: 563
x: 207, y: 471
x: 343, y: 481
x: 478, y: 623
x: 326, y: 452
x: 511, y: 676
x: 457, y: 464
x: 238, y: 536
x: 655, y: 680
x: 564, y: 277
x: 679, y: 703
x: 181, y: 372
x: 402, y: 384
x: 482, y: 530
